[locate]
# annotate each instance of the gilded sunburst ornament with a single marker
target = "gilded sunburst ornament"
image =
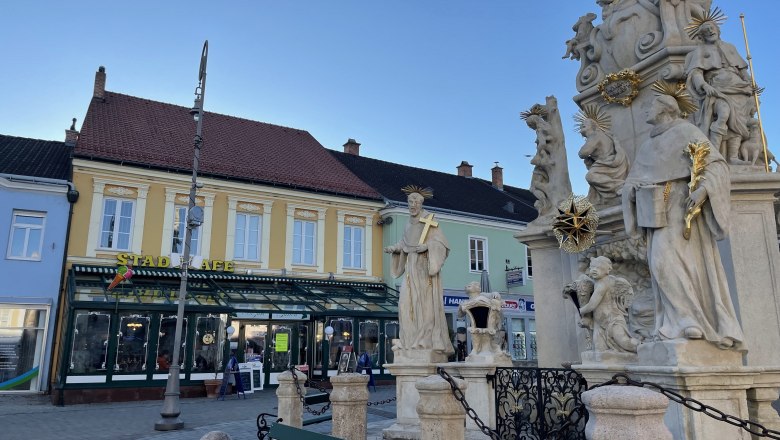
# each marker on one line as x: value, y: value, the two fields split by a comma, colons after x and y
x: 575, y: 225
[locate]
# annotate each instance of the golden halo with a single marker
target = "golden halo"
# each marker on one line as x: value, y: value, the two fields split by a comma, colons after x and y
x: 536, y: 109
x: 426, y: 192
x: 575, y: 225
x: 679, y: 93
x: 594, y: 113
x: 697, y: 21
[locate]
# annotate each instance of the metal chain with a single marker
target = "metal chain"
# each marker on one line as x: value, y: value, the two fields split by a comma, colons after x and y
x: 469, y: 410
x: 316, y: 412
x: 752, y: 427
x: 381, y: 402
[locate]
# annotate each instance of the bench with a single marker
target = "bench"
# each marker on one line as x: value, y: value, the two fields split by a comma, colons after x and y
x: 315, y: 398
x: 280, y: 431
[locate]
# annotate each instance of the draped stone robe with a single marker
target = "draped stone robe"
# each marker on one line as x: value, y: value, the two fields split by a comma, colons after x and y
x: 421, y: 305
x: 687, y: 275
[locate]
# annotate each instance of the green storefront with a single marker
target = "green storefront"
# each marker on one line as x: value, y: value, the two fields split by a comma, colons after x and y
x: 116, y: 345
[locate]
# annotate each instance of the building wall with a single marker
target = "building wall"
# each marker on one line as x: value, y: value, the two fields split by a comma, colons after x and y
x: 27, y: 284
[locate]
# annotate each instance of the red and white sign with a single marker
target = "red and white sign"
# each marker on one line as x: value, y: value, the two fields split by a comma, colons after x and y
x: 510, y: 304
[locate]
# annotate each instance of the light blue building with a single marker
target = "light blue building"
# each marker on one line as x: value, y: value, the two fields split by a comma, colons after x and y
x: 35, y: 200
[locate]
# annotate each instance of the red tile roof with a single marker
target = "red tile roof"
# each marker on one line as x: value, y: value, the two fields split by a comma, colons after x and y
x: 149, y: 133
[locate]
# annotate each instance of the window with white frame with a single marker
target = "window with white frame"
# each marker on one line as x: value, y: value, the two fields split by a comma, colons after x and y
x: 117, y: 224
x: 477, y: 254
x: 180, y: 229
x: 26, y: 235
x: 528, y: 266
x: 304, y: 242
x: 353, y: 247
x: 247, y: 244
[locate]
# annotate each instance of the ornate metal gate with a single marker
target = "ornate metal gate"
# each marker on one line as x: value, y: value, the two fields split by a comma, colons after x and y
x: 540, y: 404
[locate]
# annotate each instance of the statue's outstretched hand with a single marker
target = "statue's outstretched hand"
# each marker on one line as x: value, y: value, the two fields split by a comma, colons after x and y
x: 422, y: 248
x: 696, y: 198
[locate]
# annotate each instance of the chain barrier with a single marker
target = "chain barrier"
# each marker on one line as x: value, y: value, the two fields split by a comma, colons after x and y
x: 752, y: 427
x: 460, y: 397
x: 316, y: 412
x: 381, y: 402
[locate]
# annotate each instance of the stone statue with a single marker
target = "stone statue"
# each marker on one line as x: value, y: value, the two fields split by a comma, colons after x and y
x: 420, y: 255
x: 692, y: 294
x: 605, y: 300
x: 550, y: 179
x: 575, y: 47
x: 719, y: 81
x: 484, y: 310
x: 604, y: 158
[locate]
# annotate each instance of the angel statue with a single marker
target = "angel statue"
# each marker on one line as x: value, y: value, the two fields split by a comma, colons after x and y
x: 603, y: 301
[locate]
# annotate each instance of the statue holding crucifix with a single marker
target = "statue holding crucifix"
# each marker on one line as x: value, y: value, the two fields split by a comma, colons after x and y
x: 419, y: 257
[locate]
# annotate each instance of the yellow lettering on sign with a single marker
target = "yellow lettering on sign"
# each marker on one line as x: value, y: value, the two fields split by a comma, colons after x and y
x: 135, y: 259
x: 148, y: 261
x: 121, y: 259
x: 215, y: 264
x: 229, y: 266
x: 163, y: 262
x: 205, y: 265
x: 154, y: 261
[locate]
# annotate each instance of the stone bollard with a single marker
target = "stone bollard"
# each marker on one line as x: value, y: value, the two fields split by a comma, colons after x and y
x: 290, y: 405
x: 348, y: 403
x: 625, y: 412
x: 441, y: 415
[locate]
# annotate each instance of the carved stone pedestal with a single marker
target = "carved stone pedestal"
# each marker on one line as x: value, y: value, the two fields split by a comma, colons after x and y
x: 407, y: 424
x: 687, y: 353
x: 479, y: 393
x: 743, y: 392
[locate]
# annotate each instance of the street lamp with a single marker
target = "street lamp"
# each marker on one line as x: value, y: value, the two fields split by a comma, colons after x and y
x: 171, y: 408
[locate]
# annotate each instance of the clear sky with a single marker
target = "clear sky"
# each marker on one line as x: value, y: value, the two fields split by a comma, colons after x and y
x: 426, y: 83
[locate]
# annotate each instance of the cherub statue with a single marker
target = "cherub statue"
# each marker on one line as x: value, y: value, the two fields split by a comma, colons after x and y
x: 605, y: 310
x: 582, y: 29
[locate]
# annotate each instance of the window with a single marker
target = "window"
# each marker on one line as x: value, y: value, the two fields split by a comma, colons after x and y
x: 247, y: 245
x: 528, y: 266
x: 477, y: 251
x: 303, y: 242
x: 180, y: 229
x: 353, y: 247
x: 117, y: 224
x: 26, y: 236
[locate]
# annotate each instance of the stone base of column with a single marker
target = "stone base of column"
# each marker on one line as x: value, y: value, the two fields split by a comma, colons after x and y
x: 407, y: 425
x: 442, y: 417
x: 480, y: 394
x: 625, y: 412
x: 348, y: 400
x: 290, y: 406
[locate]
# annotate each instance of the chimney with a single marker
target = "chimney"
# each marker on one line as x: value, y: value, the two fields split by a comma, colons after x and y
x: 352, y: 147
x: 100, y: 83
x: 498, y: 177
x: 71, y: 135
x: 464, y: 169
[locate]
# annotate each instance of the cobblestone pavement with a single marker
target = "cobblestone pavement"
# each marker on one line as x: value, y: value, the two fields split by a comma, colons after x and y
x: 32, y: 417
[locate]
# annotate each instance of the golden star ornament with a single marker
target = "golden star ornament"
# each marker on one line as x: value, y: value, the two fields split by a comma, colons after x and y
x: 575, y: 225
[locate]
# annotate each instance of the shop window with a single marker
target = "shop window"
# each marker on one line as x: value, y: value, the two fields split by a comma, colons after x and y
x: 90, y: 342
x: 369, y: 341
x: 247, y: 244
x: 165, y: 342
x: 117, y: 224
x: 529, y: 268
x: 26, y: 236
x: 304, y: 239
x: 132, y: 343
x: 391, y: 332
x: 281, y: 337
x: 353, y: 247
x: 518, y: 350
x: 209, y: 344
x: 179, y: 231
x: 532, y: 337
x: 254, y: 335
x: 477, y: 253
x: 21, y: 347
x: 342, y: 337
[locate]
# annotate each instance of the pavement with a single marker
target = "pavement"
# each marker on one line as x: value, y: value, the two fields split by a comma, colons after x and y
x: 33, y: 417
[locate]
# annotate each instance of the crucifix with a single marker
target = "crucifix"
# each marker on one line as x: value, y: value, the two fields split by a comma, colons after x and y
x: 429, y: 222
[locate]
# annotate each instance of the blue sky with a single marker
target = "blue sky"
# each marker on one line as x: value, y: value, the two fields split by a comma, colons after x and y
x: 422, y: 82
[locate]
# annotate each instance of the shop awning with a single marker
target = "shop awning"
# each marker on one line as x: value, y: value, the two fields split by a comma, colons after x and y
x: 246, y: 293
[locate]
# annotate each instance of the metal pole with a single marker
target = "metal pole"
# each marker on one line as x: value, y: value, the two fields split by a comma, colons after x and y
x: 171, y: 407
x: 755, y: 93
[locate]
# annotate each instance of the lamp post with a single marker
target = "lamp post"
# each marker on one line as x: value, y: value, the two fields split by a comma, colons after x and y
x: 171, y: 408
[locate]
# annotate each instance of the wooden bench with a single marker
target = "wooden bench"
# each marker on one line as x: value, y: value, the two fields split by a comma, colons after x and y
x: 280, y: 431
x: 315, y: 398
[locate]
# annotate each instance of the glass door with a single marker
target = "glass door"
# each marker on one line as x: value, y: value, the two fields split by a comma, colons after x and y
x: 279, y: 351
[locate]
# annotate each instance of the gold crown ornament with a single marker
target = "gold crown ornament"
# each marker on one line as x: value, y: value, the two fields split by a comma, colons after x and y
x: 679, y: 93
x: 698, y: 20
x: 426, y: 192
x: 593, y: 113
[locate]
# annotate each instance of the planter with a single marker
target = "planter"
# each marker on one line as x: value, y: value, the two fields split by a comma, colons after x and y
x: 212, y: 387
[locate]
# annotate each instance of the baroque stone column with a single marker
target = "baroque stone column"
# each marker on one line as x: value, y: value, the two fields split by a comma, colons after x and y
x: 441, y: 415
x: 348, y: 400
x: 290, y: 405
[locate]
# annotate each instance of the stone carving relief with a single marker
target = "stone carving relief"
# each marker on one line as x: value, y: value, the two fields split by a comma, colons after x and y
x: 604, y: 302
x: 249, y: 207
x: 484, y: 312
x: 576, y: 47
x: 550, y: 179
x: 353, y: 220
x: 120, y: 191
x: 304, y: 213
